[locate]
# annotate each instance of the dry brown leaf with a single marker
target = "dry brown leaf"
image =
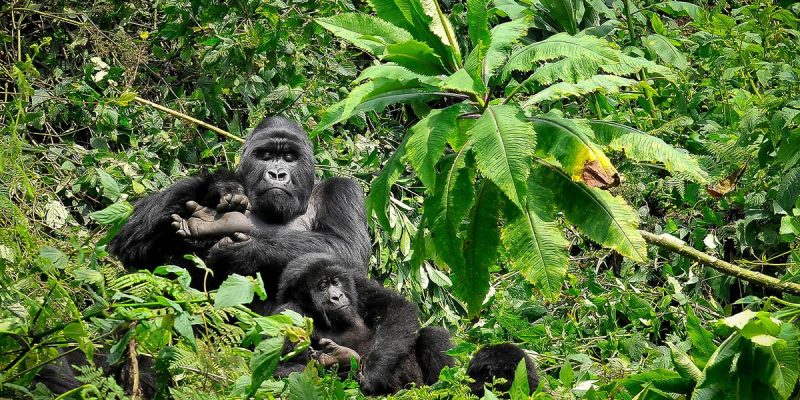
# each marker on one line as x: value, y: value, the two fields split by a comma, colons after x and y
x: 595, y: 176
x: 725, y: 186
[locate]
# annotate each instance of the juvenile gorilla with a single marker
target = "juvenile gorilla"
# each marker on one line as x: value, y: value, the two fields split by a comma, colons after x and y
x: 357, y: 317
x: 257, y: 220
x: 499, y: 361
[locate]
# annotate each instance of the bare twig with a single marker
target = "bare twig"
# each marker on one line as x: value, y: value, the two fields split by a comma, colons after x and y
x: 136, y: 388
x: 671, y: 243
x: 193, y: 120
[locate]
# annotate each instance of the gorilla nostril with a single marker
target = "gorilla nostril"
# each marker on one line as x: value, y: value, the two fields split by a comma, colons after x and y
x: 282, y: 175
x: 272, y: 174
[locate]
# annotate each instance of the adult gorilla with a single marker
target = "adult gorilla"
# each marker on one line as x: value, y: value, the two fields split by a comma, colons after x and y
x: 355, y: 317
x: 289, y: 215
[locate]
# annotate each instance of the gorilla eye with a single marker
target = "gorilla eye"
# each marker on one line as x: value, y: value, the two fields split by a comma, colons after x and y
x: 266, y: 156
x: 334, y: 281
x: 289, y: 157
x: 322, y: 285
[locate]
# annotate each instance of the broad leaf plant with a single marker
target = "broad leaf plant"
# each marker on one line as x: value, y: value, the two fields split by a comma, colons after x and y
x: 499, y: 163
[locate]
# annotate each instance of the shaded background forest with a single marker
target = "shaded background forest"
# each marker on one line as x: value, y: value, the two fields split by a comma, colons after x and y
x: 76, y: 146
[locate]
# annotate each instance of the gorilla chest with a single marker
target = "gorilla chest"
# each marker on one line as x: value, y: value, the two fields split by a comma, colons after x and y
x: 300, y: 223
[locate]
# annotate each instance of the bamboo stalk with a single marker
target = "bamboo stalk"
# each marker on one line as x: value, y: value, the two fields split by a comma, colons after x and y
x: 671, y: 243
x: 185, y: 117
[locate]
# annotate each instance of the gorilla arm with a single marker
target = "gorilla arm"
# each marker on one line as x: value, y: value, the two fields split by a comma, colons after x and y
x: 337, y: 225
x: 147, y: 239
x: 395, y: 322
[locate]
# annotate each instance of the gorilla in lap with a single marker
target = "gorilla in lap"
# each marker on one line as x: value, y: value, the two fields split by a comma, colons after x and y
x: 359, y: 318
x: 267, y: 214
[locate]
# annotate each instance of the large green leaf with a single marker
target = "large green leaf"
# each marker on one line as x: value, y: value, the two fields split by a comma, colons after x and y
x: 604, y: 218
x: 364, y: 31
x: 567, y: 13
x: 534, y: 240
x: 450, y: 203
x: 381, y: 186
x: 603, y: 83
x: 629, y: 65
x: 480, y: 247
x: 503, y: 142
x: 502, y: 37
x: 478, y: 21
x: 374, y: 95
x: 640, y: 146
x: 427, y: 142
x: 441, y: 26
x: 590, y: 49
x: 571, y: 143
x: 416, y: 56
x: 413, y: 16
x: 666, y: 51
x: 789, y: 189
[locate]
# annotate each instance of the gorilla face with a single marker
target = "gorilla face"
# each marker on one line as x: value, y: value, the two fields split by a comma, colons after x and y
x: 320, y: 285
x: 277, y: 168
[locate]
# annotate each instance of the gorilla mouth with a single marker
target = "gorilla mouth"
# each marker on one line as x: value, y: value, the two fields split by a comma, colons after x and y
x: 272, y: 188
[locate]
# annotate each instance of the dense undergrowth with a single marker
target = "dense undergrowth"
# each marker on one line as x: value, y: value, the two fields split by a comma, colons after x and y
x: 622, y: 115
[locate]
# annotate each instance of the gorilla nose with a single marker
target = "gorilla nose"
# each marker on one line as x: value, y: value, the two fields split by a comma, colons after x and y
x: 279, y: 175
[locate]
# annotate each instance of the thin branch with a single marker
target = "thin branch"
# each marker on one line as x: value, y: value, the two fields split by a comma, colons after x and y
x: 671, y: 243
x: 185, y: 117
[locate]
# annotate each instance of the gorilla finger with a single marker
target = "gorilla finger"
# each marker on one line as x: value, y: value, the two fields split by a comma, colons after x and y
x: 240, y: 237
x: 192, y: 205
x: 224, y: 203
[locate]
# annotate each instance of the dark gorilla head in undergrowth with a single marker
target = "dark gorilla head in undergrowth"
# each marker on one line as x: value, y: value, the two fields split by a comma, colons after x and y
x: 277, y: 168
x: 320, y: 285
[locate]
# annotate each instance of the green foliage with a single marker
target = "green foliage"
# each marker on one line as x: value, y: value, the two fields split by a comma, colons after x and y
x: 502, y: 140
x: 539, y: 137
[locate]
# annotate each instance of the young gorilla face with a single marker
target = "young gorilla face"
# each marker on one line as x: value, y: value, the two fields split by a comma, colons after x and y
x: 332, y: 295
x: 277, y: 168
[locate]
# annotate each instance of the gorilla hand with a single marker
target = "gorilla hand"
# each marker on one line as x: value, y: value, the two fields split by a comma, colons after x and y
x: 205, y: 222
x: 233, y: 202
x: 231, y: 196
x: 334, y: 354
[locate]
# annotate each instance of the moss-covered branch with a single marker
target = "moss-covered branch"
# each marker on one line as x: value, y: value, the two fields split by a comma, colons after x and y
x: 671, y: 243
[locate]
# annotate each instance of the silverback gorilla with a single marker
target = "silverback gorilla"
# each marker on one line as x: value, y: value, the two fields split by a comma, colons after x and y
x: 499, y: 361
x: 358, y: 317
x: 267, y: 214
x: 257, y: 220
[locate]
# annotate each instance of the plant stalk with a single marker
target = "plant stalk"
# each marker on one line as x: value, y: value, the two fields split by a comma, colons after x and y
x: 673, y: 244
x: 185, y: 117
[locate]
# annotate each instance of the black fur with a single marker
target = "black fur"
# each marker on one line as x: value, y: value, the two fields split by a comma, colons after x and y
x: 60, y: 377
x: 499, y: 361
x: 379, y: 324
x: 291, y: 217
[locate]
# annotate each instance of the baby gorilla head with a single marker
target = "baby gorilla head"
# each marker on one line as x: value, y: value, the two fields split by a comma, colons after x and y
x: 277, y: 168
x: 320, y: 283
x: 499, y: 361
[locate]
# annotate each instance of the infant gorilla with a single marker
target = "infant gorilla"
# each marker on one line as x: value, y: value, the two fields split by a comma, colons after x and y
x: 359, y: 318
